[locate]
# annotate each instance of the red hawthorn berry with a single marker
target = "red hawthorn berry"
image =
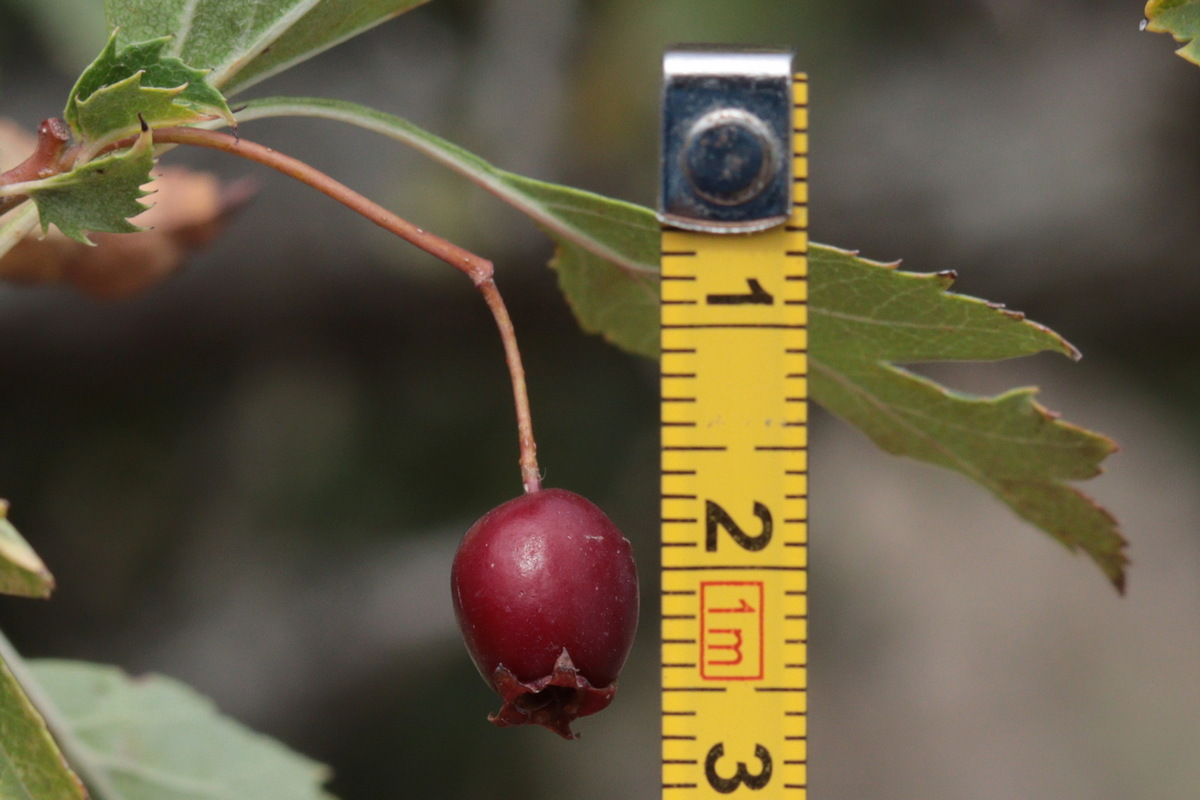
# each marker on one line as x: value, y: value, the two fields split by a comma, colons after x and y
x: 545, y: 591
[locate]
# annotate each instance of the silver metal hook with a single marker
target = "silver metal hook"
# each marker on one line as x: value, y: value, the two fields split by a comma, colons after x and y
x: 727, y: 119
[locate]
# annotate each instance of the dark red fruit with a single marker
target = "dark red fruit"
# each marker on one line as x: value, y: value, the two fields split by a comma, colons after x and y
x: 545, y: 591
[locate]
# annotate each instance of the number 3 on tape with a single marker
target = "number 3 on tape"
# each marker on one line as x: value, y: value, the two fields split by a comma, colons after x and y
x: 734, y: 426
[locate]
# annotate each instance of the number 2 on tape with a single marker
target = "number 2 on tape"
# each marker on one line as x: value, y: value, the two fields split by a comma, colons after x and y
x: 734, y: 386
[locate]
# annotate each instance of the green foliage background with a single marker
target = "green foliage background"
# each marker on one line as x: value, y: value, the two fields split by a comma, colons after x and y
x: 252, y: 478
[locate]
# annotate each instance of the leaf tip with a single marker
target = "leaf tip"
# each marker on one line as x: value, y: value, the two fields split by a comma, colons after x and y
x: 44, y: 587
x: 25, y: 574
x: 1115, y: 566
x: 1109, y: 551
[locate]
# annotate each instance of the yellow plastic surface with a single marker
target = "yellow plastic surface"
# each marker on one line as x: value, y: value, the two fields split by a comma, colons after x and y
x: 735, y: 506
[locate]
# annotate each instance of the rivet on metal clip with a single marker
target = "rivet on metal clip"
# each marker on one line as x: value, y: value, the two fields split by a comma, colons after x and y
x: 726, y: 118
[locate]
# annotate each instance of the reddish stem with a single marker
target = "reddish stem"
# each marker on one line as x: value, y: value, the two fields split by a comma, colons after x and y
x: 531, y: 478
x: 478, y: 269
x: 46, y: 160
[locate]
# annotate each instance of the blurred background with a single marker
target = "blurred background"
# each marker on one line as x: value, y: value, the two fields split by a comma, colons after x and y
x: 253, y: 476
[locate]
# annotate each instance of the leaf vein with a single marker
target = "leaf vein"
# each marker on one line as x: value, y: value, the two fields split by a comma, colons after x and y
x: 885, y: 410
x: 188, y: 17
x: 252, y: 50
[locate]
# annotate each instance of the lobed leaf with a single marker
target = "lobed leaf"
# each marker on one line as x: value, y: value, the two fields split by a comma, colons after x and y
x: 243, y: 43
x: 122, y: 90
x: 1181, y: 19
x: 867, y: 318
x: 31, y: 765
x: 154, y: 738
x: 99, y: 196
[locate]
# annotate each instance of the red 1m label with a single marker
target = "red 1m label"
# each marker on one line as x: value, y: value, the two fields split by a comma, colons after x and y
x: 735, y: 506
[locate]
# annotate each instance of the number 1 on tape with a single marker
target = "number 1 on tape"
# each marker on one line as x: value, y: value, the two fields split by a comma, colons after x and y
x: 734, y: 426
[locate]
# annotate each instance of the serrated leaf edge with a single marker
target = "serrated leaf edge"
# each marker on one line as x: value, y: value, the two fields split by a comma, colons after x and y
x: 141, y: 145
x: 110, y: 51
x: 116, y: 135
x: 1112, y: 567
x: 945, y: 280
x: 1150, y: 22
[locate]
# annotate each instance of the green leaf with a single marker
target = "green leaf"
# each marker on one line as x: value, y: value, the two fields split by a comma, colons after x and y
x: 866, y: 318
x: 607, y: 250
x: 608, y: 294
x: 99, y: 196
x: 22, y: 573
x: 156, y: 739
x: 31, y: 765
x: 123, y: 89
x: 243, y: 43
x: 1181, y: 19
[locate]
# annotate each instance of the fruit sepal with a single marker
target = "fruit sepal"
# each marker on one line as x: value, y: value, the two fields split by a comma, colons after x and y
x: 553, y: 701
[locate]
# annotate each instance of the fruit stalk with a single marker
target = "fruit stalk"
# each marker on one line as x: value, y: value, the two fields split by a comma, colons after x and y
x: 479, y: 270
x: 531, y: 478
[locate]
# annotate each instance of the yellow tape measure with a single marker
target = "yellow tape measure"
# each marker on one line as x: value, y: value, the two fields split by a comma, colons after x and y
x: 734, y: 429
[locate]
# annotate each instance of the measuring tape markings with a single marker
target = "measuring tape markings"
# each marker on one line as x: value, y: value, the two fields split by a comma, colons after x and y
x: 735, y: 504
